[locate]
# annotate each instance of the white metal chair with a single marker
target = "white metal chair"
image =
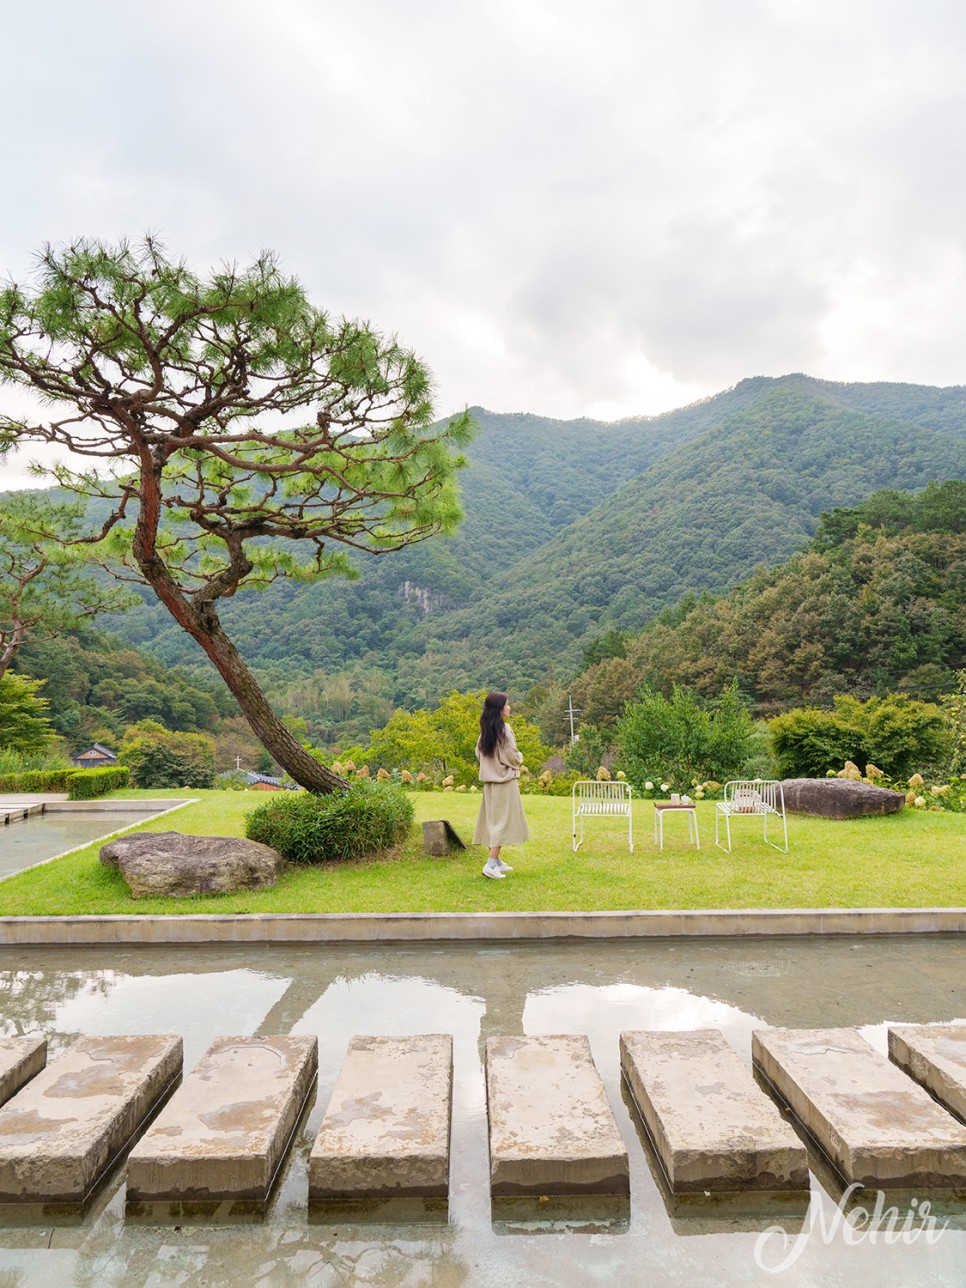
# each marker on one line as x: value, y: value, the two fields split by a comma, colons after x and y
x: 590, y: 798
x: 744, y: 798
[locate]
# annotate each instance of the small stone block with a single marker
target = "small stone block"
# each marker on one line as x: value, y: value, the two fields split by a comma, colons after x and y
x: 440, y: 838
x: 712, y: 1126
x: 20, y: 1060
x: 552, y: 1130
x: 225, y: 1131
x: 386, y: 1131
x: 873, y: 1122
x: 935, y: 1055
x: 61, y: 1134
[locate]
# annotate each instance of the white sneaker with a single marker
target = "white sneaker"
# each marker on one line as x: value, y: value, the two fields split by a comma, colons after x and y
x: 504, y: 867
x: 493, y: 871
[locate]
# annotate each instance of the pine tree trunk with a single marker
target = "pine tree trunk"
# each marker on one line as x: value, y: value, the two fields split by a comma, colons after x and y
x: 200, y: 620
x: 267, y: 727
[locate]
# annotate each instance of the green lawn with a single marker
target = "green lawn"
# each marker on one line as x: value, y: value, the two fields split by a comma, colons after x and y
x: 905, y: 860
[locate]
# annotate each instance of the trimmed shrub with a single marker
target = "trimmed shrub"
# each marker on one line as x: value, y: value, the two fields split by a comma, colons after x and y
x: 79, y: 784
x: 86, y: 784
x: 311, y: 828
x: 37, y: 780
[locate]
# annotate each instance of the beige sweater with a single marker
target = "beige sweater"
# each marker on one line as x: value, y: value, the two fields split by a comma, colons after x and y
x: 504, y: 763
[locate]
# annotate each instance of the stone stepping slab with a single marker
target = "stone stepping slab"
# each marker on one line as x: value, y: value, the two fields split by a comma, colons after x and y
x: 876, y: 1125
x: 20, y: 1060
x: 61, y: 1133
x: 552, y: 1130
x: 225, y: 1132
x: 386, y: 1131
x: 935, y: 1055
x: 712, y: 1126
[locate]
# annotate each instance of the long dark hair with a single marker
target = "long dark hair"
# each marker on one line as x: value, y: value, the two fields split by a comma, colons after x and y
x: 492, y: 724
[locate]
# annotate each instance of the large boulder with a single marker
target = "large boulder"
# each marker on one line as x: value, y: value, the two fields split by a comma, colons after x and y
x: 838, y: 798
x: 169, y: 863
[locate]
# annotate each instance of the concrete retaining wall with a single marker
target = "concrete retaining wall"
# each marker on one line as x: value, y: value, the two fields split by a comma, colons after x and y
x: 402, y: 927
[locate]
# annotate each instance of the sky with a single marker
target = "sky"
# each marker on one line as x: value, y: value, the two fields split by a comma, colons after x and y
x: 573, y: 209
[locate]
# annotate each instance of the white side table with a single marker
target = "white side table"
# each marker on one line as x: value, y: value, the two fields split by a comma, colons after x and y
x: 665, y: 807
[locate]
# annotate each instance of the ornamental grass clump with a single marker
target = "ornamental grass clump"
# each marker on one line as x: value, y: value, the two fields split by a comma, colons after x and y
x: 310, y: 828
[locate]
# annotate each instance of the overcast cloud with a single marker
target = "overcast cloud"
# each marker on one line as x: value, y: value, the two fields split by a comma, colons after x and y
x: 567, y: 208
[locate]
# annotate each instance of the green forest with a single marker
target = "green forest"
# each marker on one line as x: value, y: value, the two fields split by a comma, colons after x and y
x: 875, y: 604
x: 801, y: 537
x: 573, y: 528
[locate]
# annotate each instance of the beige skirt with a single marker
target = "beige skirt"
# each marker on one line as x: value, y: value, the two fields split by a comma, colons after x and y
x: 501, y: 820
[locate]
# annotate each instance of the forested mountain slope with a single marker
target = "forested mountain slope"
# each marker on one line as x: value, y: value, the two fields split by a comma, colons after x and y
x: 528, y: 478
x: 575, y: 526
x: 748, y: 491
x: 876, y: 605
x: 96, y: 686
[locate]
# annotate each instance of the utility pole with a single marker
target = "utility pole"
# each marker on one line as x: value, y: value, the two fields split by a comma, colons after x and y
x: 571, y: 712
x: 238, y: 762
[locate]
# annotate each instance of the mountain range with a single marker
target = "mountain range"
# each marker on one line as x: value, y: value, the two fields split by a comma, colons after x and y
x: 574, y: 528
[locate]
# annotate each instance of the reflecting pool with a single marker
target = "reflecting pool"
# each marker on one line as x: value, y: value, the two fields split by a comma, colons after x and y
x: 474, y: 992
x: 41, y: 836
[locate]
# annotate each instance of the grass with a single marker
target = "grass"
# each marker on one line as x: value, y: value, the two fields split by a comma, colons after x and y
x: 910, y: 859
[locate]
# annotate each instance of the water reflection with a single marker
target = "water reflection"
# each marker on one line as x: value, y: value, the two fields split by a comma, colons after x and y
x: 32, y: 840
x: 199, y: 1007
x: 473, y: 992
x: 556, y: 1214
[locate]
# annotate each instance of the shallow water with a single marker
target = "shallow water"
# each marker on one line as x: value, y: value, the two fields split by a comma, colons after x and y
x: 41, y: 836
x: 474, y: 992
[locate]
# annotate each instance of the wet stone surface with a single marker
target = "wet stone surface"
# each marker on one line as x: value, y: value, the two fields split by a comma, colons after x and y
x: 20, y: 1060
x: 876, y: 1125
x: 935, y: 1055
x: 552, y: 1130
x: 386, y: 1131
x: 713, y: 1128
x: 61, y: 1132
x: 224, y: 1132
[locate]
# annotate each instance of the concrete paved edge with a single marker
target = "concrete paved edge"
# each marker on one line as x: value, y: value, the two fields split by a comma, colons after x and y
x: 408, y: 927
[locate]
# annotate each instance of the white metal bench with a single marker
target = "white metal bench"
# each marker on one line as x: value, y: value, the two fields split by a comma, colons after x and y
x: 745, y: 798
x: 596, y: 800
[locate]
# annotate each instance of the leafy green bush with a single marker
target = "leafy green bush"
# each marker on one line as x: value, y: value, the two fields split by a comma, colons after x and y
x: 685, y: 738
x: 441, y: 742
x: 897, y: 733
x: 309, y: 828
x: 159, y: 758
x: 954, y: 709
x: 36, y: 780
x: 590, y: 750
x: 944, y: 797
x: 85, y: 784
x: 80, y: 784
x: 808, y: 743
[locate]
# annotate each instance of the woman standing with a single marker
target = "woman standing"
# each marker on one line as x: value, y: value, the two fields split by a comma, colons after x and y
x: 501, y: 820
